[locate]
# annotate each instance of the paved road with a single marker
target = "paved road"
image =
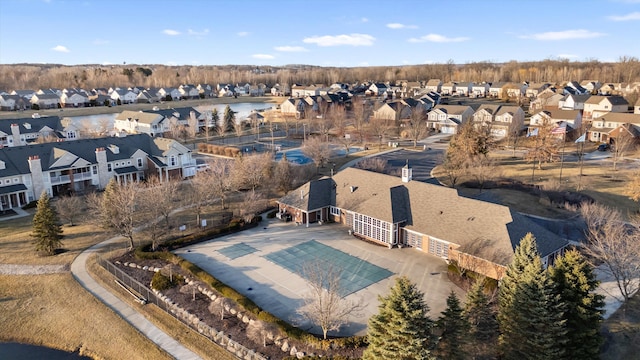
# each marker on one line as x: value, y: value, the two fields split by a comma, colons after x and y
x: 164, y: 341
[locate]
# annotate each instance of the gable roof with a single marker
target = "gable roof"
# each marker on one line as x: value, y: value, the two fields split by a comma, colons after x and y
x: 425, y: 208
x: 32, y: 125
x: 614, y: 100
x: 623, y: 118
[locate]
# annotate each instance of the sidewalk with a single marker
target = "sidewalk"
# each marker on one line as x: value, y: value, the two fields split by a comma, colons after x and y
x: 160, y: 338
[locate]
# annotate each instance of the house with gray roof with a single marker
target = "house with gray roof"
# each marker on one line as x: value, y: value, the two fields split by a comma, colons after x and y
x: 23, y: 131
x: 391, y: 211
x: 447, y: 118
x: 45, y: 101
x: 598, y: 105
x: 157, y: 122
x: 63, y: 167
x: 13, y: 102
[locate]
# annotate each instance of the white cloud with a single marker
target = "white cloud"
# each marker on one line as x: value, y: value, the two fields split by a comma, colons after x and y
x: 198, y: 33
x: 290, y: 48
x: 60, y: 48
x: 337, y: 40
x: 170, y: 32
x: 364, y: 19
x: 263, y: 56
x: 243, y: 33
x: 437, y: 38
x: 567, y: 56
x: 401, y: 26
x: 563, y: 35
x: 628, y: 17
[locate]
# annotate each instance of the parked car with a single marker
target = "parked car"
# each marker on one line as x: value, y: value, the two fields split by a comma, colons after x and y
x: 603, y: 147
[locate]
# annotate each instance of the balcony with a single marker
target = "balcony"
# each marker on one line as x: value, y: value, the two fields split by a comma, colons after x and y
x: 65, y: 179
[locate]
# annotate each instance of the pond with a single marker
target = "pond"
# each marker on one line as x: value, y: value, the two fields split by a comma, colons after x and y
x: 16, y: 351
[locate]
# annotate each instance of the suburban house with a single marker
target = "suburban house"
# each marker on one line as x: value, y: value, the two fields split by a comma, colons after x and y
x: 294, y: 107
x: 434, y: 85
x: 535, y: 88
x: 463, y: 88
x: 147, y: 97
x: 502, y: 119
x: 573, y: 87
x: 27, y: 93
x: 573, y: 102
x: 393, y: 111
x: 376, y: 89
x: 447, y: 118
x: 45, y: 101
x: 449, y: 88
x: 392, y: 211
x: 64, y: 167
x: 74, y: 99
x: 602, y: 127
x: 547, y: 99
x: 140, y: 122
x: 189, y: 92
x: 479, y: 90
x: 572, y: 119
x: 496, y: 89
x: 591, y: 86
x: 18, y: 132
x: 13, y: 102
x: 124, y: 96
x: 598, y: 105
x: 169, y: 91
x: 607, y: 89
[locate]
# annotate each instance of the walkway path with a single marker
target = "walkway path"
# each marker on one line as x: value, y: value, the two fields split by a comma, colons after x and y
x: 160, y: 338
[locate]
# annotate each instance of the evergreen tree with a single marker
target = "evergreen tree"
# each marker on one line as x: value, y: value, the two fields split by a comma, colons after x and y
x: 531, y: 314
x: 229, y: 118
x: 47, y: 232
x: 454, y: 328
x: 215, y: 117
x: 401, y: 329
x: 575, y: 283
x: 483, y: 325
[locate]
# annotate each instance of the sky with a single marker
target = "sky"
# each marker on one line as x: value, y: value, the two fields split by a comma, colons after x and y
x: 344, y: 33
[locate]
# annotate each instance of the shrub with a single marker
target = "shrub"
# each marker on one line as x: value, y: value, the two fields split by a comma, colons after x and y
x: 31, y: 205
x: 161, y: 282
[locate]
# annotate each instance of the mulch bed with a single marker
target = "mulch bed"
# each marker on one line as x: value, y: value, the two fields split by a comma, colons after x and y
x: 231, y: 325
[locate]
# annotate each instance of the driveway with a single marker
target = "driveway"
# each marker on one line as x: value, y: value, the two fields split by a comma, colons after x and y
x: 280, y: 291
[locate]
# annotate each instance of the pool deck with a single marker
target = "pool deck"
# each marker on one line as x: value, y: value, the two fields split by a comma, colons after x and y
x: 247, y: 268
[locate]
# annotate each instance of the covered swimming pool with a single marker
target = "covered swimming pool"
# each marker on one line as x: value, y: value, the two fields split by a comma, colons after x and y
x: 296, y: 156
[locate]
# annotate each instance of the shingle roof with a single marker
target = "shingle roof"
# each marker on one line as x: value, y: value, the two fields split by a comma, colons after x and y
x: 614, y: 100
x: 620, y: 118
x: 427, y: 209
x: 37, y: 124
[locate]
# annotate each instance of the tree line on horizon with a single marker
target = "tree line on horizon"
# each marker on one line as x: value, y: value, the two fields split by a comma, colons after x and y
x: 35, y: 76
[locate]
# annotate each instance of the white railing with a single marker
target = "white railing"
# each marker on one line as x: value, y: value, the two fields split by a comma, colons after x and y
x: 63, y: 179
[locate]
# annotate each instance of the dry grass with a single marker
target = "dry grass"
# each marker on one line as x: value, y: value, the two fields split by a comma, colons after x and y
x: 176, y: 329
x: 16, y: 245
x: 623, y: 332
x: 54, y: 311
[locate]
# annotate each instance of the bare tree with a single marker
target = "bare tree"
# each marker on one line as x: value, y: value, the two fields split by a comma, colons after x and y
x: 325, y: 304
x: 252, y: 202
x: 361, y: 112
x: 158, y: 201
x: 69, y: 208
x: 624, y: 142
x: 484, y: 170
x: 220, y: 305
x: 615, y: 244
x: 283, y: 174
x: 375, y: 164
x: 261, y: 331
x: 632, y: 189
x: 117, y: 209
x: 317, y: 149
x: 220, y: 174
x: 200, y: 193
x: 417, y: 128
x: 513, y: 135
x: 251, y: 171
x: 377, y: 129
x: 545, y: 147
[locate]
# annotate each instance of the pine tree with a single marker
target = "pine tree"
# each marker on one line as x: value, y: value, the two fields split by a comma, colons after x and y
x: 47, y: 232
x: 531, y: 314
x: 453, y: 340
x: 401, y: 329
x: 575, y: 283
x: 229, y: 118
x: 483, y: 325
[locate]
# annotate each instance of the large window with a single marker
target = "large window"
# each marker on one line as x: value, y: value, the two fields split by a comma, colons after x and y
x: 412, y: 239
x: 371, y: 227
x: 334, y: 210
x: 438, y: 247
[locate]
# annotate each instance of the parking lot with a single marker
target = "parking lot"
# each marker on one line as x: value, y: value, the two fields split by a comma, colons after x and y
x: 264, y: 264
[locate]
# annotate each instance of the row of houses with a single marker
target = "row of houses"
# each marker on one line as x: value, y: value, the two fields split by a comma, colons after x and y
x: 60, y: 168
x: 75, y: 97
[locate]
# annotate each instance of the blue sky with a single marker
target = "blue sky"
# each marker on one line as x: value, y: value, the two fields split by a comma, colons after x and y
x: 326, y: 33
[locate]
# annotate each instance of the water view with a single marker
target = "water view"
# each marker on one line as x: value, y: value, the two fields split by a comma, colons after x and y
x: 16, y: 351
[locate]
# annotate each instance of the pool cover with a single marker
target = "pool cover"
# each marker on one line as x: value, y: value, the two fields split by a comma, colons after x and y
x: 356, y: 274
x: 237, y: 250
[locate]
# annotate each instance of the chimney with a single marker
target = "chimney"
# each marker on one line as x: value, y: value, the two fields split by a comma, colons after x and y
x: 352, y: 188
x: 407, y: 173
x: 15, y: 133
